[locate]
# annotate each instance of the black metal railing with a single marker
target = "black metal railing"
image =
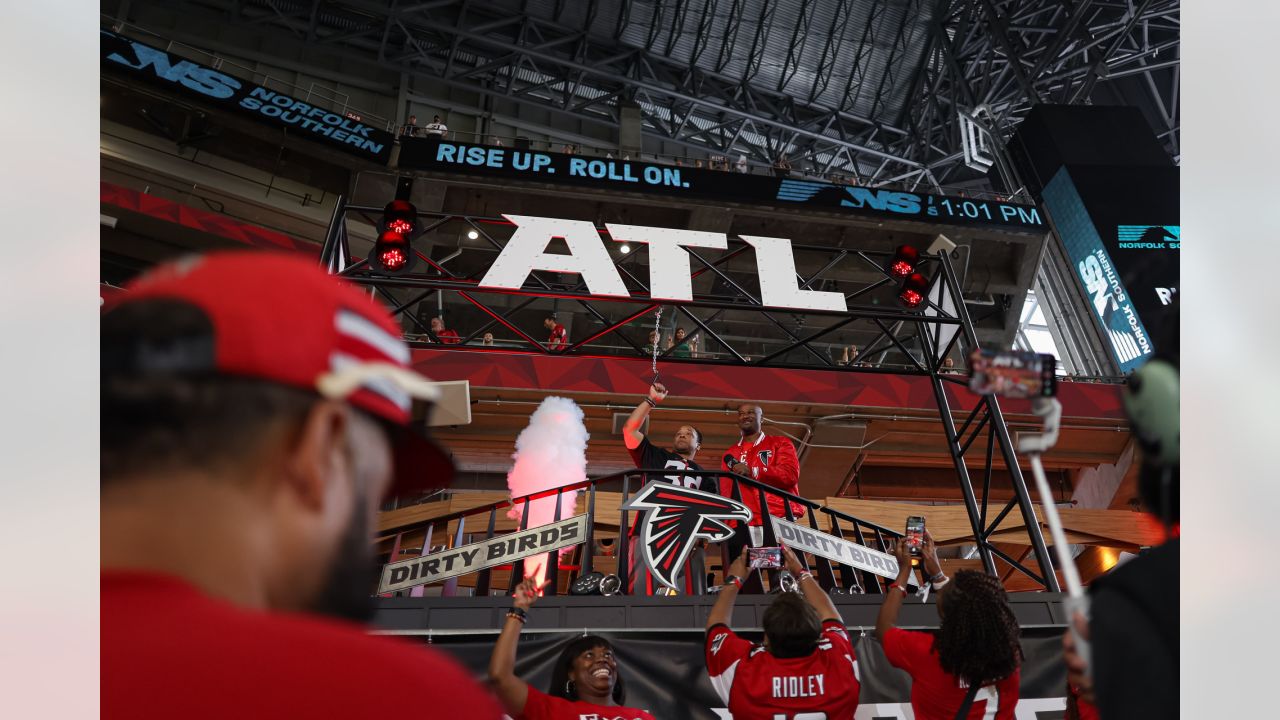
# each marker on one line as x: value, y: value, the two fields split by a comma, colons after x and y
x: 842, y: 525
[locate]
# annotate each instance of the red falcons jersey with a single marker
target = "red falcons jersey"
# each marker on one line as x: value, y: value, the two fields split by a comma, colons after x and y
x: 541, y: 706
x: 559, y: 339
x: 937, y: 694
x: 758, y: 686
x: 772, y: 460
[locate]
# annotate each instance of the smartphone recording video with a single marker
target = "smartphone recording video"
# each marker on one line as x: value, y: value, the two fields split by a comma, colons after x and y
x: 915, y: 535
x: 764, y: 558
x: 1013, y: 374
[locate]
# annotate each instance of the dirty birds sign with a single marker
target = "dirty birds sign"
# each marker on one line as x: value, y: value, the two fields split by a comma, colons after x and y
x: 803, y: 539
x: 475, y: 557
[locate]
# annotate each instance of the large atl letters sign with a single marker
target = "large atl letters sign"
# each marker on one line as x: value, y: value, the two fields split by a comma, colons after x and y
x: 669, y: 271
x: 632, y: 175
x: 485, y: 554
x: 155, y: 66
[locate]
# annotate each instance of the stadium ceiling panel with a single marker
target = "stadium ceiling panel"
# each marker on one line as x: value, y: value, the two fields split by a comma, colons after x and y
x: 869, y: 88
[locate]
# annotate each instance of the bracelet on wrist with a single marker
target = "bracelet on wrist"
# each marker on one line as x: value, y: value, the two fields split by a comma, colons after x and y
x: 651, y: 402
x: 734, y: 580
x: 803, y: 575
x: 896, y: 586
x: 518, y: 612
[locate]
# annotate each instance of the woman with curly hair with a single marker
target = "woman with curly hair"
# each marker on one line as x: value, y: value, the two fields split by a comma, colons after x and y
x: 584, y: 681
x: 974, y: 657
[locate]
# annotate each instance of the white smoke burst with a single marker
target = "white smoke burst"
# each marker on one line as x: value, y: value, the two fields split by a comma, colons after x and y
x: 550, y: 453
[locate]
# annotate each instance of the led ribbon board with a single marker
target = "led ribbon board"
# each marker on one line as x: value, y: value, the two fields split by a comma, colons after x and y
x: 152, y: 65
x: 630, y: 175
x: 475, y: 557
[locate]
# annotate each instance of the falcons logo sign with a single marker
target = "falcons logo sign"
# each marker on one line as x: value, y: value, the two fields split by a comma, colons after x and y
x: 673, y: 518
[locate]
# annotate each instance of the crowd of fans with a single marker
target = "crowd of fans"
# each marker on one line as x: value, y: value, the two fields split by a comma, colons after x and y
x: 241, y: 474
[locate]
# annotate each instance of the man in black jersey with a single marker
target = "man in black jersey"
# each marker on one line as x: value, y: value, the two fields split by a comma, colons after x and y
x: 648, y: 456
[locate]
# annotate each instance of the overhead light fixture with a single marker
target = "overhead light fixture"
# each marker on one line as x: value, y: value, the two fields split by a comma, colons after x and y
x: 904, y: 261
x: 942, y: 243
x: 915, y: 289
x: 624, y: 248
x: 472, y: 234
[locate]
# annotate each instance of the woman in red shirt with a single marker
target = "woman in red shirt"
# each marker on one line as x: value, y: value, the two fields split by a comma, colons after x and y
x: 976, y: 643
x: 584, y: 682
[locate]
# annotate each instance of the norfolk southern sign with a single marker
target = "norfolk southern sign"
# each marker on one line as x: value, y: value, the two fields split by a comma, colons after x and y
x: 152, y: 65
x: 485, y: 554
x: 614, y: 174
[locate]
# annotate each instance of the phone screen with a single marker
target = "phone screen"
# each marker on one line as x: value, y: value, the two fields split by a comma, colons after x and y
x: 915, y: 534
x: 1013, y: 374
x: 765, y: 558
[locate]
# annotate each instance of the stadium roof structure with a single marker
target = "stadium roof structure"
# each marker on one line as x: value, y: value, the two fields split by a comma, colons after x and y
x: 869, y: 88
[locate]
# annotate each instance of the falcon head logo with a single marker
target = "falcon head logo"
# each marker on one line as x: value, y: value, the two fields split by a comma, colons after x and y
x: 765, y: 456
x: 673, y: 517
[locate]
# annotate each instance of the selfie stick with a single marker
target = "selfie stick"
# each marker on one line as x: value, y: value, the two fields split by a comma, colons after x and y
x: 1034, y: 446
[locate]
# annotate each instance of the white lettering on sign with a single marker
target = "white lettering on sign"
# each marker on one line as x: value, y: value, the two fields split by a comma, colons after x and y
x: 526, y: 251
x: 669, y: 277
x: 803, y: 539
x: 669, y: 272
x: 776, y: 265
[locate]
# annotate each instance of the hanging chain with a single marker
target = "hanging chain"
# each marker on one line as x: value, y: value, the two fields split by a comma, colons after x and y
x: 657, y: 327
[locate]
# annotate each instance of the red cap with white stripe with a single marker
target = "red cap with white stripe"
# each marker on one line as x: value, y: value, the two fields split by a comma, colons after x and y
x: 282, y: 318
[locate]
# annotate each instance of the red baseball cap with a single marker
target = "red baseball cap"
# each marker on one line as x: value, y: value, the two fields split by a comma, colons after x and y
x: 282, y: 318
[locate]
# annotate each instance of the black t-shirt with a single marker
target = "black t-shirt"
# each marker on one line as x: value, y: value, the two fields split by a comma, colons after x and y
x: 648, y: 456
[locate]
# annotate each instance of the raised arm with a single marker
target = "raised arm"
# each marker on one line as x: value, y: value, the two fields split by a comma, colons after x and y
x: 814, y: 594
x: 893, y: 598
x: 722, y: 611
x: 631, y: 435
x: 511, y: 690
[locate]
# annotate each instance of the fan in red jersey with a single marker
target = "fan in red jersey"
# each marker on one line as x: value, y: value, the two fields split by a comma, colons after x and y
x: 559, y: 338
x: 256, y: 411
x: 585, y: 684
x: 772, y: 460
x: 806, y: 666
x: 973, y: 660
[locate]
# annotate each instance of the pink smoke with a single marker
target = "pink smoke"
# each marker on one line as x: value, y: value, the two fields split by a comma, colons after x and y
x: 550, y: 453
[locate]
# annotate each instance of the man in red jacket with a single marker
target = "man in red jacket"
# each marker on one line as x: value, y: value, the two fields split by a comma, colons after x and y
x: 770, y: 459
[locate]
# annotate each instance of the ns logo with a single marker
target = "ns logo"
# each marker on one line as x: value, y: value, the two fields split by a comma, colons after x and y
x: 203, y: 80
x: 898, y: 202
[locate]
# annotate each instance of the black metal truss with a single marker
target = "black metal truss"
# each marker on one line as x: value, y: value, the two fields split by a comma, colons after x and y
x: 894, y: 119
x: 1008, y: 55
x: 938, y: 326
x: 560, y: 64
x: 727, y: 294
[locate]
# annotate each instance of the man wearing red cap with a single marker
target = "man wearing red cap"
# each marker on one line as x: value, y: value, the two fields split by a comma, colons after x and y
x: 255, y: 413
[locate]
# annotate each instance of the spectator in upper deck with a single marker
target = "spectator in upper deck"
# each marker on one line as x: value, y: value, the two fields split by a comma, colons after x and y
x: 410, y: 128
x: 436, y: 129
